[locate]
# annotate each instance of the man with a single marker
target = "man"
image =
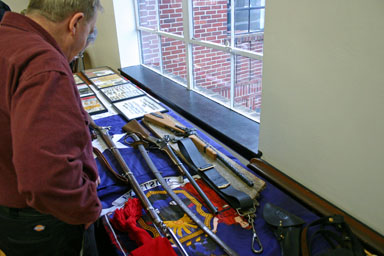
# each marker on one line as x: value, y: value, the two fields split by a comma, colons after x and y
x: 48, y: 176
x: 3, y: 8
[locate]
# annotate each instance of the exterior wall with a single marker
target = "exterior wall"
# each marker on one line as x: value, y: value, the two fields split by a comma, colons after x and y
x: 211, y: 67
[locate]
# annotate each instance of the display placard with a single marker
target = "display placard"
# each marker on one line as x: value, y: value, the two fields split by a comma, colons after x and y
x: 93, y: 105
x: 138, y: 107
x: 107, y: 81
x: 78, y: 79
x: 97, y: 72
x: 85, y: 90
x: 122, y: 92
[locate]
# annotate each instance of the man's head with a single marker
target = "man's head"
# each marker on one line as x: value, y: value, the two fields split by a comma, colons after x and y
x: 70, y: 22
x: 58, y: 10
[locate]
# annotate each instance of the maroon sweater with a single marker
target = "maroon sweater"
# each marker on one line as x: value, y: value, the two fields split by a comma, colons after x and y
x: 46, y: 159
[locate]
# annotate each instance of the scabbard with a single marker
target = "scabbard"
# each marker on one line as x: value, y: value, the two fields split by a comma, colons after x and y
x: 179, y: 202
x: 185, y: 172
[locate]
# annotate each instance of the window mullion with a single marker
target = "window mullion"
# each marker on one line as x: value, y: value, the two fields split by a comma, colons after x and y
x: 159, y: 36
x: 233, y: 58
x: 137, y: 19
x: 188, y: 34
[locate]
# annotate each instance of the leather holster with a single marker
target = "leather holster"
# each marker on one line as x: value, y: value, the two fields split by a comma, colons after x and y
x: 286, y: 228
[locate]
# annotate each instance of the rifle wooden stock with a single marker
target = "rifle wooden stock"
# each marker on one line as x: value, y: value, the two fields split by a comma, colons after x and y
x: 136, y: 128
x: 166, y: 122
x: 163, y: 230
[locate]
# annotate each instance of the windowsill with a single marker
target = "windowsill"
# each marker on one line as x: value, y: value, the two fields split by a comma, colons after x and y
x: 232, y: 129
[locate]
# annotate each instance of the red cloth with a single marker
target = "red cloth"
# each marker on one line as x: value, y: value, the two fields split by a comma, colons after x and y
x: 46, y: 159
x: 125, y: 220
x: 159, y: 246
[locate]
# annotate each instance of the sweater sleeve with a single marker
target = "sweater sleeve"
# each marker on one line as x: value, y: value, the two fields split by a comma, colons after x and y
x: 52, y: 149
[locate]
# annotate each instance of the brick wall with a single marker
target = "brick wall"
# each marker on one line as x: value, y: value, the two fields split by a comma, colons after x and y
x: 211, y: 67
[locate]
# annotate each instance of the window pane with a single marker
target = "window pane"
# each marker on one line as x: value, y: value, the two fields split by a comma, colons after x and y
x: 147, y: 13
x: 257, y: 3
x: 210, y: 20
x: 150, y: 49
x: 241, y: 21
x: 212, y: 73
x: 171, y: 16
x: 257, y: 20
x: 241, y: 3
x: 174, y: 62
x: 248, y: 86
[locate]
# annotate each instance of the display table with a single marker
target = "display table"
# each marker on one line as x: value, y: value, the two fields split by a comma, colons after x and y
x: 234, y: 231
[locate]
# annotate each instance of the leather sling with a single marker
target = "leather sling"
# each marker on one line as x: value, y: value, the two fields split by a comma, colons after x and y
x: 237, y: 199
x: 107, y: 166
x: 336, y: 232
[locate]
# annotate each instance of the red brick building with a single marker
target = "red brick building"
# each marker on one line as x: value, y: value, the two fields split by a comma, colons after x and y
x: 211, y: 67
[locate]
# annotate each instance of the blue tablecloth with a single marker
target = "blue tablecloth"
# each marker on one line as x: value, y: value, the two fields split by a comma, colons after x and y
x: 230, y: 231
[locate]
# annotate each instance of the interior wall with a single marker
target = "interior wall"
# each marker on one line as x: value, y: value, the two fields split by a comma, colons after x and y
x: 17, y: 5
x: 104, y: 51
x: 116, y: 45
x: 323, y: 100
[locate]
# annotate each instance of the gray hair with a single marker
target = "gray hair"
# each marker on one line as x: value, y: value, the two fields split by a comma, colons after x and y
x: 58, y: 10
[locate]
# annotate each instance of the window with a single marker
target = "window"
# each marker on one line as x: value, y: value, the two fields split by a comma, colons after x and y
x: 249, y: 16
x: 191, y: 42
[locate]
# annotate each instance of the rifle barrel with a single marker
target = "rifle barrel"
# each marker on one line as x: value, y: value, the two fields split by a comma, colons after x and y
x: 164, y: 231
x: 172, y: 194
x: 135, y: 127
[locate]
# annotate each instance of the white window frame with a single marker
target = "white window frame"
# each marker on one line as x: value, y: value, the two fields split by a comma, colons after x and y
x: 189, y: 41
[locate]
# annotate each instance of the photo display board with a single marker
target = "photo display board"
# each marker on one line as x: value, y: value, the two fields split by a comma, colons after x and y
x: 107, y: 81
x: 85, y: 90
x: 78, y: 79
x: 93, y: 105
x: 97, y: 72
x: 138, y: 107
x: 121, y: 92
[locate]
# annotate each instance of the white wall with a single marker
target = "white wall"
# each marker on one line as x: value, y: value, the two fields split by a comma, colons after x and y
x: 115, y: 46
x: 17, y: 5
x: 126, y: 33
x: 322, y: 118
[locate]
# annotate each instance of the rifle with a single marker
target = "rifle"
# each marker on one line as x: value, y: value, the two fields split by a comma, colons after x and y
x: 139, y: 144
x: 163, y: 144
x: 163, y: 230
x: 165, y: 121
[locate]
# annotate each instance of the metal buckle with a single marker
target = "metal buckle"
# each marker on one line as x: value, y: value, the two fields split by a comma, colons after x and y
x: 224, y: 186
x: 249, y: 211
x: 206, y: 168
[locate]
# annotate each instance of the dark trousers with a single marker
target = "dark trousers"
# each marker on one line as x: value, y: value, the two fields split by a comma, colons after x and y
x: 28, y: 232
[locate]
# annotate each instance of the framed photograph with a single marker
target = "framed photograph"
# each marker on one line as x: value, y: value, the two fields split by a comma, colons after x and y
x: 138, y: 107
x: 96, y: 72
x: 122, y: 92
x: 107, y: 81
x: 78, y: 79
x: 85, y: 90
x: 93, y: 105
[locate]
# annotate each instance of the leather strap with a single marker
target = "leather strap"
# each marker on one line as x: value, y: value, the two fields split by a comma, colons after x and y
x: 333, y: 220
x: 237, y: 199
x: 107, y: 166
